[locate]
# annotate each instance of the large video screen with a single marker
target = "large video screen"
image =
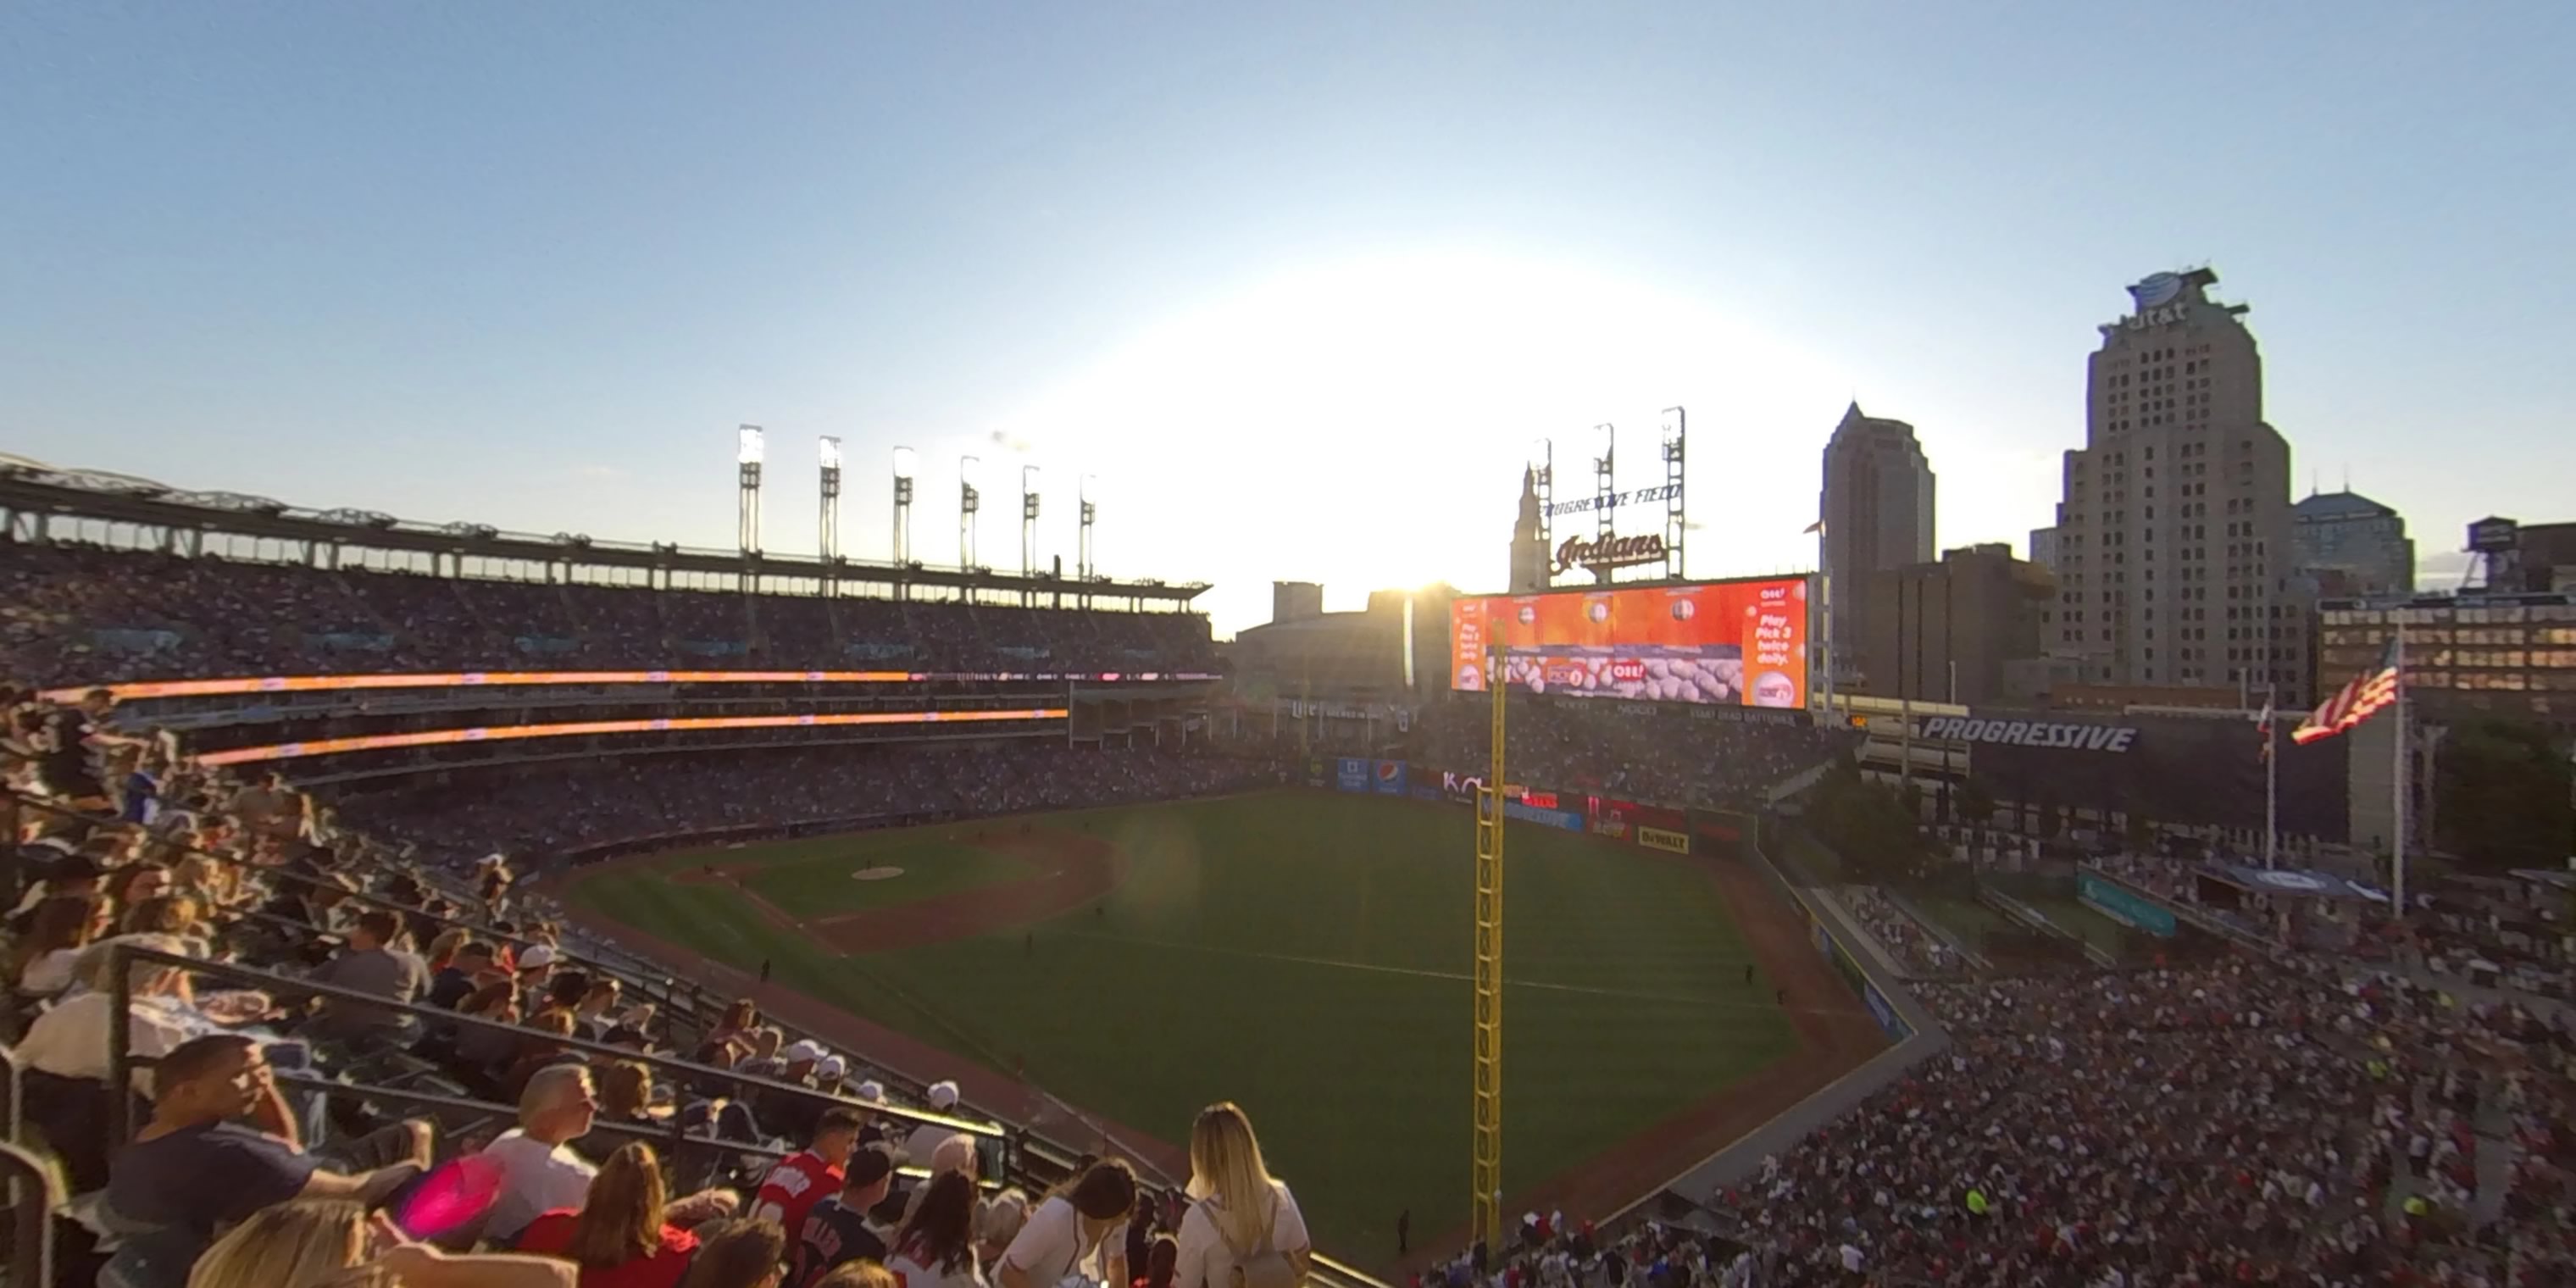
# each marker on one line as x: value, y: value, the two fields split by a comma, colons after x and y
x: 1727, y: 643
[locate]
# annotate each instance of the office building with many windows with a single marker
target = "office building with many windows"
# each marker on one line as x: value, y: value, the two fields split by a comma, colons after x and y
x: 2173, y: 555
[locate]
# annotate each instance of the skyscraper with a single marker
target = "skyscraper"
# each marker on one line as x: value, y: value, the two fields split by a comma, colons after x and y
x: 1877, y: 508
x: 2352, y: 545
x: 1529, y: 542
x: 2173, y: 551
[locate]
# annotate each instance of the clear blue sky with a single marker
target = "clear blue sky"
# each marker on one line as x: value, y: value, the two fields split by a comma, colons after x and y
x: 1297, y: 281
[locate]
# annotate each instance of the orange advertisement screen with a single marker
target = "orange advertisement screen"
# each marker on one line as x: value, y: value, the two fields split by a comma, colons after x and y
x: 1727, y: 643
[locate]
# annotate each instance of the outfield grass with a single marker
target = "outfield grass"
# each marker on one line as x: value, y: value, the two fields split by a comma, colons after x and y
x: 1307, y: 956
x: 811, y: 878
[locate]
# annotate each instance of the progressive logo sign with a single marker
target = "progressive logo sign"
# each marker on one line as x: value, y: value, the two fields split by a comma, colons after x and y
x: 2031, y: 733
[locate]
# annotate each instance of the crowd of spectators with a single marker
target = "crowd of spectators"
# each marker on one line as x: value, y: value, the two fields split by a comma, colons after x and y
x: 2248, y: 1121
x: 1916, y: 950
x: 1657, y: 753
x: 534, y: 810
x: 74, y: 614
x: 759, y: 1158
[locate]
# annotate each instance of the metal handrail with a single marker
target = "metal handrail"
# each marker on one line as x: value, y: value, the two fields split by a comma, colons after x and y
x: 35, y: 1188
x: 669, y: 997
x: 122, y: 1060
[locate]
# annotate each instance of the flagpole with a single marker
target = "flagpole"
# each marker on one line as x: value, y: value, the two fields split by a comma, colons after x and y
x: 2397, y: 880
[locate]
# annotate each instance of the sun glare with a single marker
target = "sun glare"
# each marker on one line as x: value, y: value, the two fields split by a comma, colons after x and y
x: 1377, y: 411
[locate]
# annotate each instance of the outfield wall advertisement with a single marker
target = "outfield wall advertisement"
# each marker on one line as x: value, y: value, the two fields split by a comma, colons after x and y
x: 1727, y: 643
x: 2123, y: 906
x: 1350, y: 774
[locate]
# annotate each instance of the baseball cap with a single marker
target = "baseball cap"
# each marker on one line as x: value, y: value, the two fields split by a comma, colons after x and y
x: 833, y: 1066
x: 803, y: 1051
x: 537, y: 955
x: 943, y: 1096
x: 871, y: 1092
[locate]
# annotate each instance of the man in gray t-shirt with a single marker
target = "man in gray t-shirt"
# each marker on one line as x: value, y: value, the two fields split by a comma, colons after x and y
x: 371, y: 965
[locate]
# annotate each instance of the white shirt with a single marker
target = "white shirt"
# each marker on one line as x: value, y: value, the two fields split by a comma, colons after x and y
x: 536, y: 1178
x: 49, y: 973
x: 70, y: 1040
x: 1851, y: 1258
x: 912, y: 1274
x: 924, y: 1141
x: 1049, y: 1247
x: 1205, y: 1261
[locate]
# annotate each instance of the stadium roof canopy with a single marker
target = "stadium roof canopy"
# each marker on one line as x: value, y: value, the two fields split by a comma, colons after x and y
x: 33, y: 490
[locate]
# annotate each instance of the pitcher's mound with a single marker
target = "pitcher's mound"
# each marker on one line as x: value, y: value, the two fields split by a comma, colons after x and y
x: 876, y: 874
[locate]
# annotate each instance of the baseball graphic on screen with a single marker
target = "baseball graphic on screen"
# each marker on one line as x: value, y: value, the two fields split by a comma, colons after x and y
x: 1684, y: 610
x: 1773, y: 689
x: 1527, y: 614
x: 1598, y: 610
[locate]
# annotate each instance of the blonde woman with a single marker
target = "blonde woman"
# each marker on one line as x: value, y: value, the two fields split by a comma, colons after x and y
x: 330, y: 1243
x: 618, y: 1236
x: 1239, y: 1213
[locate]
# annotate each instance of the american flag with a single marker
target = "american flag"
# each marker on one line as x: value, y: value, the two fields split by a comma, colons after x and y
x: 2354, y: 702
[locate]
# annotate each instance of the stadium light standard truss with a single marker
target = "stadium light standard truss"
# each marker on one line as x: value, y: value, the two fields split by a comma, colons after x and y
x: 827, y: 525
x: 1082, y: 490
x: 750, y: 446
x: 1605, y: 493
x: 1675, y: 430
x: 969, y: 501
x: 903, y: 470
x: 1028, y: 530
x: 1485, y: 1165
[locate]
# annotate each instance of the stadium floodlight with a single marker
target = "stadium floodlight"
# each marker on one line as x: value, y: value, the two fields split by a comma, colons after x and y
x: 1083, y: 485
x: 968, y: 468
x: 831, y: 448
x: 1028, y: 480
x: 904, y: 458
x: 750, y: 445
x: 1604, y: 440
x: 1542, y: 454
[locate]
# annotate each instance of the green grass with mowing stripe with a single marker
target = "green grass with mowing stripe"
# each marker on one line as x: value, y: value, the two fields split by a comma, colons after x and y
x: 1307, y: 956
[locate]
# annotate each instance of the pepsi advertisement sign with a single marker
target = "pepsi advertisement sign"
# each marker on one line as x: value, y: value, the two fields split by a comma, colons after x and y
x: 1390, y: 778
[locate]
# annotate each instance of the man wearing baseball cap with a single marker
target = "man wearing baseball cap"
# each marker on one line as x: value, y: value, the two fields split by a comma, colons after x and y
x: 926, y: 1138
x: 787, y: 1113
x: 836, y: 1230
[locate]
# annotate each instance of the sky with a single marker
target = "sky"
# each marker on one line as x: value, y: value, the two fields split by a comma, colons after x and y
x: 1297, y: 284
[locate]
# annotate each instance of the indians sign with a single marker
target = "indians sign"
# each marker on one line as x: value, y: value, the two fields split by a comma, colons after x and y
x: 1608, y: 552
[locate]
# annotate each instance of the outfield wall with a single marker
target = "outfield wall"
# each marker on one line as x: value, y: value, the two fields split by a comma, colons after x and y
x: 1715, y: 833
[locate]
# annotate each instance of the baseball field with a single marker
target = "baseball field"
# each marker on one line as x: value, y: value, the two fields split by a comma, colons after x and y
x: 1305, y: 954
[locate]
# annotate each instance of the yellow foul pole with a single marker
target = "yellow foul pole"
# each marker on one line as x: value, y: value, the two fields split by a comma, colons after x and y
x: 1487, y: 1161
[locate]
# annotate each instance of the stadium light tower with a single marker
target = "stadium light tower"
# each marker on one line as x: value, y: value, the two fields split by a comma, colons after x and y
x: 968, y: 502
x: 750, y: 445
x: 1083, y: 489
x: 903, y: 469
x: 827, y: 525
x: 1605, y: 441
x: 1676, y: 428
x: 1028, y: 526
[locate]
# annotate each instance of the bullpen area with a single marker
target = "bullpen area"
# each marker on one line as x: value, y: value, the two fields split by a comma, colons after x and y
x: 1302, y: 953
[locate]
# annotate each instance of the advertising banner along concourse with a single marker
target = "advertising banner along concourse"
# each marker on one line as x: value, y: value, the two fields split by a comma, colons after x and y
x: 1727, y: 643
